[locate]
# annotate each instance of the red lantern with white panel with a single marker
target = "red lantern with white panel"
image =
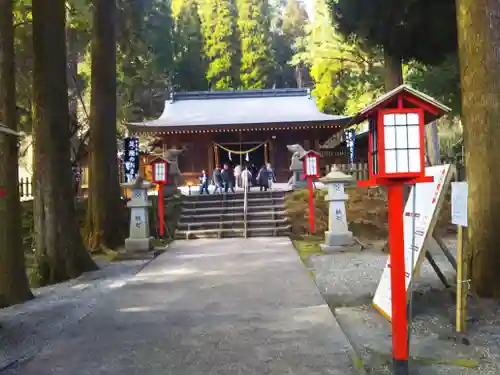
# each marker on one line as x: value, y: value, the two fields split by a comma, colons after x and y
x: 160, y: 173
x: 159, y: 167
x: 395, y: 158
x: 310, y: 162
x: 400, y: 144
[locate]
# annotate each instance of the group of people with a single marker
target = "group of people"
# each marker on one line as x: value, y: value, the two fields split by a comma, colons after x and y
x: 226, y: 178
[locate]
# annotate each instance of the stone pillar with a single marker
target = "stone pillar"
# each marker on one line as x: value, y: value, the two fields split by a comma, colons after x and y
x: 139, y: 238
x: 338, y: 237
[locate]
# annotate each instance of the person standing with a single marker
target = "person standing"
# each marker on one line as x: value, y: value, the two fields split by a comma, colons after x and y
x: 262, y: 179
x: 246, y: 178
x: 271, y: 176
x: 237, y: 175
x: 203, y: 178
x: 228, y: 178
x: 217, y: 178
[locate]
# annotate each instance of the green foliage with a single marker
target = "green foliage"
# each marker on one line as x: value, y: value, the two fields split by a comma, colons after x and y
x: 288, y: 28
x: 347, y: 75
x: 441, y: 81
x: 256, y: 54
x: 424, y: 30
x: 144, y: 57
x: 220, y: 43
x: 190, y: 64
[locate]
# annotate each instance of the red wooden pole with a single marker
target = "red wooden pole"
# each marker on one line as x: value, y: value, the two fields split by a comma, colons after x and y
x: 398, y: 280
x: 160, y: 210
x: 311, y: 203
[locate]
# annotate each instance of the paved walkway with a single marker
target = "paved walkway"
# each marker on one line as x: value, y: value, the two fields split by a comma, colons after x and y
x: 206, y: 307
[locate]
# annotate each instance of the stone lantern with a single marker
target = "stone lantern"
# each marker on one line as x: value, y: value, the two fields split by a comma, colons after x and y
x: 338, y: 237
x: 139, y: 238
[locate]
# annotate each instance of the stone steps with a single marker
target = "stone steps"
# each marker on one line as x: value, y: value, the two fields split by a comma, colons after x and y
x: 221, y: 216
x: 231, y: 209
x: 234, y: 196
x: 235, y: 224
x: 233, y: 202
x: 216, y: 215
x: 231, y: 232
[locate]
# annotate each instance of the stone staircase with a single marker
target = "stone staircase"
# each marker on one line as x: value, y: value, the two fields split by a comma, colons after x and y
x: 222, y: 216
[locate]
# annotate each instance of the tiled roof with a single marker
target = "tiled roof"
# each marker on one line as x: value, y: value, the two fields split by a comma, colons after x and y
x: 249, y: 107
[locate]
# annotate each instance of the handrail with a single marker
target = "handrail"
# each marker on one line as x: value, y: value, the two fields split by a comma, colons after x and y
x: 245, y: 183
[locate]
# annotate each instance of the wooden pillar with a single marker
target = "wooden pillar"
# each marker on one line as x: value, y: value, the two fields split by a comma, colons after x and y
x: 266, y: 158
x: 210, y: 157
x: 216, y: 154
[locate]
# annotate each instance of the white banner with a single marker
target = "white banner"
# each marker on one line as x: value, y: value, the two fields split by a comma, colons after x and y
x: 459, y: 196
x: 428, y: 198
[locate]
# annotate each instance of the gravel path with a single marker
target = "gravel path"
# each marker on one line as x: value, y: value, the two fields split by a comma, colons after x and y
x: 348, y: 282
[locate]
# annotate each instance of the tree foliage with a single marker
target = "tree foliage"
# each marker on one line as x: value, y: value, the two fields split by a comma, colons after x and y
x: 257, y: 57
x: 441, y: 81
x: 347, y: 76
x: 190, y: 63
x: 221, y: 45
x: 424, y: 30
x: 290, y: 26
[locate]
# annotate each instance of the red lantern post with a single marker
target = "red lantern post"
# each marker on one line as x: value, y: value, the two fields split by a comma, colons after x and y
x: 311, y: 170
x: 395, y: 158
x: 159, y: 167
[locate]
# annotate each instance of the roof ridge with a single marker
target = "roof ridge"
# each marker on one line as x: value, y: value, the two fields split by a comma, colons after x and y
x: 238, y: 94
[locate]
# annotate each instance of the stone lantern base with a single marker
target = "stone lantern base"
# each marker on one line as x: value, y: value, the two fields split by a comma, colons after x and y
x: 138, y: 244
x: 338, y: 242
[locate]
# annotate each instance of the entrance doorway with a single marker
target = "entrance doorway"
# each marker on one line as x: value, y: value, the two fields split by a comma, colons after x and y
x: 257, y: 156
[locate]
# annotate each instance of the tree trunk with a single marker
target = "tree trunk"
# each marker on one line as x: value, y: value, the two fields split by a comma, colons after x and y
x: 479, y: 42
x: 59, y: 247
x: 105, y: 219
x: 393, y: 70
x: 72, y: 71
x: 14, y: 287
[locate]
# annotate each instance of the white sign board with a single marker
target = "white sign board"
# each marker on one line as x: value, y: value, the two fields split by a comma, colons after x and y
x: 428, y: 196
x: 459, y: 195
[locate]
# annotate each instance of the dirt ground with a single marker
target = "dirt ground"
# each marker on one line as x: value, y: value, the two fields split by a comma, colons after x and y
x: 366, y: 213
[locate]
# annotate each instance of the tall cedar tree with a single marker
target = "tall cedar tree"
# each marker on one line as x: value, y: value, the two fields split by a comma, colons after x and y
x: 105, y: 215
x: 220, y: 43
x: 295, y: 21
x: 424, y: 30
x: 257, y: 57
x: 14, y: 286
x: 479, y: 42
x: 144, y: 38
x: 59, y: 247
x: 190, y: 65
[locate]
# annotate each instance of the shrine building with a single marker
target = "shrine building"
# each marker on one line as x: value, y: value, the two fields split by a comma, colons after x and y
x: 254, y: 126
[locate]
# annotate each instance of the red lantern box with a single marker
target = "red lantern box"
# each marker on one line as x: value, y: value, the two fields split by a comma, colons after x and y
x: 160, y: 169
x: 310, y: 161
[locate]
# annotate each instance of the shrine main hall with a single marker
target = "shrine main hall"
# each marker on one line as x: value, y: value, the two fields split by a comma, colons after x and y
x: 237, y: 127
